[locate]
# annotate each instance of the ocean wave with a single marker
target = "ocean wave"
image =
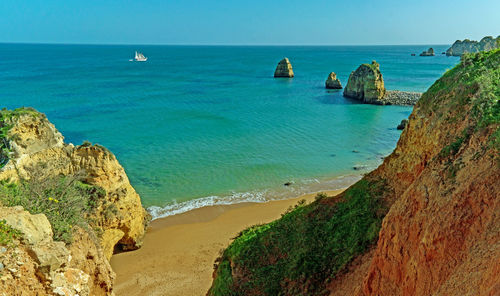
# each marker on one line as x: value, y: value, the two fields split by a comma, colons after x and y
x: 298, y: 188
x: 176, y: 208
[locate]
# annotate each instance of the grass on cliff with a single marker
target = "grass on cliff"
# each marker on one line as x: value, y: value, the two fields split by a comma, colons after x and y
x: 469, y: 90
x: 309, y: 244
x: 6, y: 117
x: 8, y: 234
x: 66, y: 201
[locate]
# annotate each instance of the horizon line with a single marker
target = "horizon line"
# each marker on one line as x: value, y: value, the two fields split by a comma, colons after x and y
x: 214, y: 44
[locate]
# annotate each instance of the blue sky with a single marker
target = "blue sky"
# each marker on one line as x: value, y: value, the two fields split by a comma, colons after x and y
x: 257, y: 22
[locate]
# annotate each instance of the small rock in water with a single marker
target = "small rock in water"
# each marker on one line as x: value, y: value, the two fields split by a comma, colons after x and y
x: 332, y: 82
x: 403, y: 124
x: 413, y: 54
x: 359, y: 167
x: 333, y: 155
x: 288, y: 183
x: 428, y: 53
x: 355, y: 151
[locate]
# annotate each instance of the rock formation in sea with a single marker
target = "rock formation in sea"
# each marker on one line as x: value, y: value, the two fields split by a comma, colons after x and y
x: 470, y: 46
x: 428, y: 53
x: 284, y: 69
x: 44, y: 173
x: 332, y: 82
x: 425, y: 222
x: 402, y: 124
x: 366, y: 84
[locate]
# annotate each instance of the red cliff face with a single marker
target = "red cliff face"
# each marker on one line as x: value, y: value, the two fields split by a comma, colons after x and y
x: 441, y: 235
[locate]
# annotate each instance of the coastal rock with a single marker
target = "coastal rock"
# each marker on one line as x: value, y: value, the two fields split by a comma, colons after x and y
x: 397, y: 97
x: 284, y: 69
x: 36, y: 229
x: 403, y: 124
x: 366, y: 84
x: 38, y: 265
x: 34, y: 141
x: 428, y: 53
x: 470, y: 46
x: 332, y: 82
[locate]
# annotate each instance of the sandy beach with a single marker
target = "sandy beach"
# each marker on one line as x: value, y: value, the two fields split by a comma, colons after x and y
x: 179, y: 251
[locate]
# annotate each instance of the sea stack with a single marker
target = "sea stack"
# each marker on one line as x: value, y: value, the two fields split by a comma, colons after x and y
x: 284, y: 69
x: 428, y: 53
x: 332, y: 82
x: 366, y: 84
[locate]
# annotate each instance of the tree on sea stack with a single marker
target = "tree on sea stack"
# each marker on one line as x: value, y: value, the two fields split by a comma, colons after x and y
x: 332, y: 82
x: 284, y: 69
x: 366, y: 84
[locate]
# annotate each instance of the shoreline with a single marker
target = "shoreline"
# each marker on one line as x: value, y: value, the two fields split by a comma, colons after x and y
x: 179, y: 251
x: 297, y: 188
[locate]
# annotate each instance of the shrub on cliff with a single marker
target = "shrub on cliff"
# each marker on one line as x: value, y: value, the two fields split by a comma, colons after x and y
x: 66, y: 201
x: 477, y: 79
x: 295, y: 254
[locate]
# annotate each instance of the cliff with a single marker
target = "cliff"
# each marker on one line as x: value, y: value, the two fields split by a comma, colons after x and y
x: 83, y: 191
x: 366, y: 84
x: 471, y: 46
x: 423, y: 223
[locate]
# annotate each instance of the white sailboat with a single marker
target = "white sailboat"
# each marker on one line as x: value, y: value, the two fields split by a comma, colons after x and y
x: 139, y: 57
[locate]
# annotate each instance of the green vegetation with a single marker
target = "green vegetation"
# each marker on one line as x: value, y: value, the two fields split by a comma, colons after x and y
x: 6, y: 117
x: 66, y: 201
x: 470, y: 90
x: 8, y: 234
x: 309, y: 244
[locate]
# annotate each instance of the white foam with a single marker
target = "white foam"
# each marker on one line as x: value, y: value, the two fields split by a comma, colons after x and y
x: 297, y: 189
x: 176, y: 208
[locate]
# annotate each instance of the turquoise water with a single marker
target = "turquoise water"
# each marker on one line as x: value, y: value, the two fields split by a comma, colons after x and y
x: 211, y: 122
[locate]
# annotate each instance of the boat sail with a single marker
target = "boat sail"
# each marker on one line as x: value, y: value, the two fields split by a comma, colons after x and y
x: 139, y: 57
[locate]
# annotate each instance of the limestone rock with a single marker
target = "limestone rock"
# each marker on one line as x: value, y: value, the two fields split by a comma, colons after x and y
x: 366, y: 84
x: 35, y: 140
x: 109, y: 239
x: 332, y: 82
x: 36, y: 229
x: 428, y: 53
x: 51, y: 255
x: 37, y: 265
x: 470, y: 46
x: 284, y: 69
x: 71, y: 281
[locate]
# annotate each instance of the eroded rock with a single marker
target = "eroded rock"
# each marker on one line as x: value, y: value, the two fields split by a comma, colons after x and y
x: 366, y: 84
x: 284, y: 69
x: 428, y: 53
x: 332, y: 82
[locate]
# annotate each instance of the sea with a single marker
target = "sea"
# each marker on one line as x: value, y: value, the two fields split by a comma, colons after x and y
x: 195, y: 126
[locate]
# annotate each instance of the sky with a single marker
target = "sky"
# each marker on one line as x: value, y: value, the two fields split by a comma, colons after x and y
x: 241, y: 22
